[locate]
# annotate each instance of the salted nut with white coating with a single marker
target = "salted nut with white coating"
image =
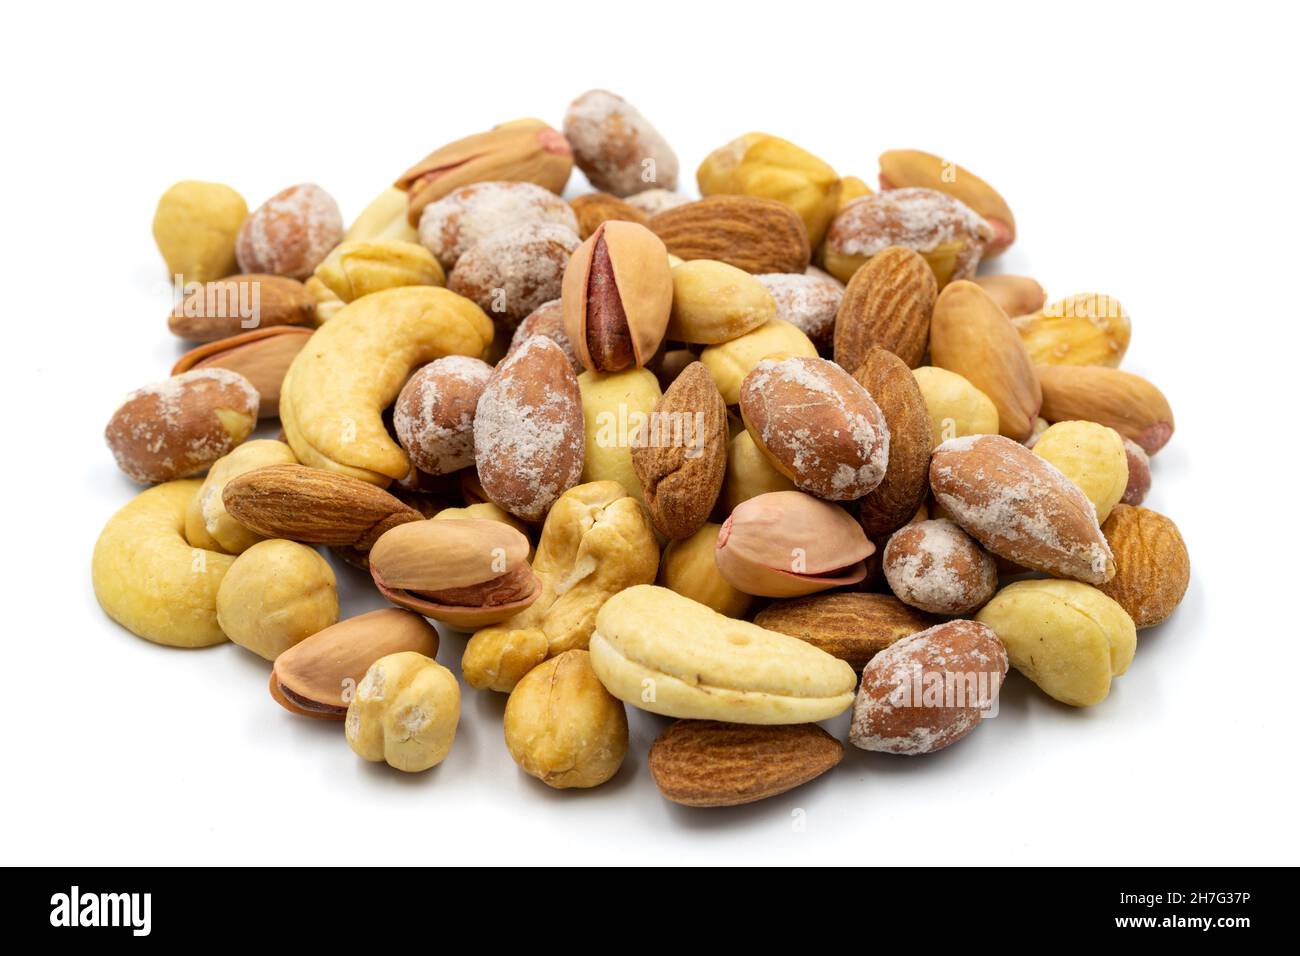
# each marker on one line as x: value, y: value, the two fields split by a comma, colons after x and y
x: 467, y: 573
x: 706, y: 457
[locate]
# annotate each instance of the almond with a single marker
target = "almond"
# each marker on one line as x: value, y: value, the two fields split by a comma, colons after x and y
x: 757, y: 235
x: 893, y: 387
x: 1120, y: 400
x: 226, y: 307
x: 313, y: 506
x: 1020, y: 507
x: 853, y: 627
x: 929, y: 690
x: 680, y: 455
x: 707, y: 763
x: 1152, y: 569
x: 888, y: 303
x: 817, y: 425
x: 262, y: 356
x: 595, y: 208
x: 528, y: 431
x: 971, y: 336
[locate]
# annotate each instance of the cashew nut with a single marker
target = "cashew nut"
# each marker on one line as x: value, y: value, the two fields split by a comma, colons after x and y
x: 335, y: 391
x: 149, y: 579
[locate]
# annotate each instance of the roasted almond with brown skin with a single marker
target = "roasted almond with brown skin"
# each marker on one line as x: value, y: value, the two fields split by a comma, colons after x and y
x: 313, y: 506
x: 529, y: 441
x: 1020, y: 507
x: 893, y: 502
x: 757, y: 235
x: 1120, y: 400
x: 617, y: 293
x: 680, y: 455
x: 261, y: 356
x: 707, y: 763
x: 971, y: 336
x: 851, y: 626
x: 888, y: 303
x: 817, y: 426
x: 1152, y: 568
x: 226, y: 307
x: 595, y: 208
x: 316, y: 677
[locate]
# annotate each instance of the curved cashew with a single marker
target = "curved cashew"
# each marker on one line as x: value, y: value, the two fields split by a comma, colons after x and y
x: 149, y: 579
x: 352, y: 368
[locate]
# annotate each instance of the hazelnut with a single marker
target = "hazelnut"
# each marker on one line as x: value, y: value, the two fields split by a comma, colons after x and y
x: 275, y: 594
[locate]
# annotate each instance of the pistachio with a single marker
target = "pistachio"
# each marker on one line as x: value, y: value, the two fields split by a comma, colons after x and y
x: 316, y: 677
x: 261, y: 356
x: 467, y: 573
x: 616, y: 295
x: 525, y: 150
x: 787, y: 544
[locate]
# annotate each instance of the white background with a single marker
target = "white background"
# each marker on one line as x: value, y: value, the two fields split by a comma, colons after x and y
x: 1147, y: 154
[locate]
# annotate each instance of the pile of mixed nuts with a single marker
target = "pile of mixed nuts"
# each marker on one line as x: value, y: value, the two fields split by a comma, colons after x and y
x: 644, y: 451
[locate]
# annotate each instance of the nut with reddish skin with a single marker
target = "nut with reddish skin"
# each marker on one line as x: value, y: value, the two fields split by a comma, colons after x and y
x: 180, y: 426
x: 616, y: 147
x: 262, y: 356
x: 529, y: 439
x: 948, y: 234
x: 512, y: 272
x: 935, y: 566
x: 962, y: 658
x: 1020, y: 507
x: 454, y: 224
x: 911, y: 167
x: 617, y: 293
x: 291, y: 233
x: 547, y: 320
x: 434, y: 413
x: 817, y: 425
x: 1139, y: 473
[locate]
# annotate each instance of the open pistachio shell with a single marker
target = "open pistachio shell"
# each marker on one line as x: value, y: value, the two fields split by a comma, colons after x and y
x: 312, y: 677
x: 787, y: 544
x: 435, y: 555
x: 519, y: 151
x: 643, y: 286
x: 440, y: 556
